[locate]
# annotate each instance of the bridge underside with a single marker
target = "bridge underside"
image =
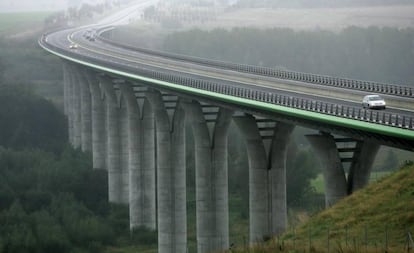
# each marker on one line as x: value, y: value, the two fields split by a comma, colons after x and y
x: 136, y: 133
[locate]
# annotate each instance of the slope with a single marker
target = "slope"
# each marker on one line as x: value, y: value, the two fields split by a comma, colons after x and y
x: 378, y: 218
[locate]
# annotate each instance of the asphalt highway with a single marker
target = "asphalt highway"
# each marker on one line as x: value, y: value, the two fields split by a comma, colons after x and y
x: 125, y: 57
x: 121, y: 58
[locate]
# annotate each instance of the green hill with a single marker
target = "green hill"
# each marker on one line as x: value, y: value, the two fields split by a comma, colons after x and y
x: 377, y: 218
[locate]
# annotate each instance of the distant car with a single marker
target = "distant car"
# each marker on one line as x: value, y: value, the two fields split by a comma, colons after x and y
x: 73, y: 46
x: 373, y: 102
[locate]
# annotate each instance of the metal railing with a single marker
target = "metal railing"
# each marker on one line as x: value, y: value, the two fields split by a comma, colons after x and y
x: 343, y: 111
x: 369, y: 86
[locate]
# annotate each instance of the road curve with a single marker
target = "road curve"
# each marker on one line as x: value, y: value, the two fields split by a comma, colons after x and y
x: 125, y: 60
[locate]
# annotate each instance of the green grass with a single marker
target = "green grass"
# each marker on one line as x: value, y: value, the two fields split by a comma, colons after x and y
x: 317, y: 182
x: 374, y: 219
x: 132, y: 249
x: 14, y: 22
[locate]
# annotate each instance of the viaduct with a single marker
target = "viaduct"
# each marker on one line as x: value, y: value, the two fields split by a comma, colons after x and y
x: 128, y: 107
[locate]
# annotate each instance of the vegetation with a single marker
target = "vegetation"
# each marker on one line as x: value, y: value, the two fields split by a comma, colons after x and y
x: 374, y: 219
x: 50, y: 198
x: 28, y: 121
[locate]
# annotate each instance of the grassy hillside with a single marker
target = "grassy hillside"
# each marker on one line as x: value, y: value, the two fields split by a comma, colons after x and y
x: 375, y: 219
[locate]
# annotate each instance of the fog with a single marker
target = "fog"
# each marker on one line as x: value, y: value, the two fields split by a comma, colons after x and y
x: 55, y: 5
x: 43, y: 5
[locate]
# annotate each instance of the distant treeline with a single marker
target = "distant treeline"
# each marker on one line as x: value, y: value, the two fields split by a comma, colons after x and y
x: 317, y: 3
x: 377, y: 54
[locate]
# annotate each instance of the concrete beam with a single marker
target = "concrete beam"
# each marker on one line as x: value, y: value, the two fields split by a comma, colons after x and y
x: 258, y: 179
x: 334, y: 175
x: 267, y: 177
x: 76, y: 108
x: 361, y: 166
x: 141, y: 147
x: 171, y: 183
x: 70, y: 103
x: 86, y: 112
x: 98, y: 107
x: 211, y: 179
x: 124, y: 149
x: 277, y: 176
x: 115, y: 179
x: 66, y: 84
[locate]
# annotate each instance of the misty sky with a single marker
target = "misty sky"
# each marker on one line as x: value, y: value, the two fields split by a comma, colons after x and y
x: 40, y: 5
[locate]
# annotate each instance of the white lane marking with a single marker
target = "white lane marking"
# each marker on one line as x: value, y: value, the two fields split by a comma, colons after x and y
x: 119, y: 56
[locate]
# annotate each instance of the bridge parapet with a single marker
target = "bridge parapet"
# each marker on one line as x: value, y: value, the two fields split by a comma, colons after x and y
x: 368, y: 86
x: 239, y: 94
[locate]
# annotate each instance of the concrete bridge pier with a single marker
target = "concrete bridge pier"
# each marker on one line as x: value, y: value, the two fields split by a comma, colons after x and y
x: 66, y: 84
x: 361, y: 166
x: 277, y: 176
x: 211, y: 175
x: 337, y: 185
x: 98, y: 111
x: 76, y: 108
x: 86, y: 111
x: 334, y: 176
x: 118, y: 189
x: 69, y: 100
x: 141, y: 154
x: 171, y: 176
x: 267, y: 175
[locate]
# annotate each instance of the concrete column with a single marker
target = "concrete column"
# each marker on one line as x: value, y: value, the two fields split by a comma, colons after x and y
x: 99, y: 143
x: 113, y: 142
x: 334, y: 175
x: 86, y: 111
x: 258, y: 179
x: 141, y: 147
x: 211, y: 179
x: 361, y: 167
x: 171, y: 194
x: 277, y: 175
x: 148, y: 199
x: 66, y: 84
x: 76, y: 107
x: 267, y: 177
x: 70, y: 103
x: 124, y: 150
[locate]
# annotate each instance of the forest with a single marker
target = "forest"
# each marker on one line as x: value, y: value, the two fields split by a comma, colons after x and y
x: 51, y: 200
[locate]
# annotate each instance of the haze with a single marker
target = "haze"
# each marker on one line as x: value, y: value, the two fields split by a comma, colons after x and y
x: 42, y: 5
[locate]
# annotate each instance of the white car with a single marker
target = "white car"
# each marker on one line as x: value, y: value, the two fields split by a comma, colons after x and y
x: 73, y: 46
x: 373, y: 102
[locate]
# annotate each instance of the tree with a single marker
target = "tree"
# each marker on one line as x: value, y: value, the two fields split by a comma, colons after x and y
x: 27, y: 120
x: 301, y: 169
x: 51, y: 235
